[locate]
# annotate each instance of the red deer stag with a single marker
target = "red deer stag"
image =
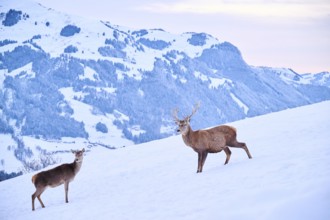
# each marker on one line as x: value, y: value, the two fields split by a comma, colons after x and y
x: 64, y: 173
x: 207, y: 141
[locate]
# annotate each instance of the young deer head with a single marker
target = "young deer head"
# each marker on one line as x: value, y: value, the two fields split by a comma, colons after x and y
x: 59, y: 175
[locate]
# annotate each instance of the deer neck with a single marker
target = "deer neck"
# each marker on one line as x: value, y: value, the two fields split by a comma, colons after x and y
x: 187, y: 136
x: 77, y: 165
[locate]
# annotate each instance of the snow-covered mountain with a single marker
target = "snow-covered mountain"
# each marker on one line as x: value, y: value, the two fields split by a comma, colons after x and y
x: 288, y: 177
x: 69, y: 79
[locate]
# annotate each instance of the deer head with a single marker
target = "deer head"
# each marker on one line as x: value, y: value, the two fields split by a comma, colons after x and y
x: 79, y: 154
x: 184, y: 125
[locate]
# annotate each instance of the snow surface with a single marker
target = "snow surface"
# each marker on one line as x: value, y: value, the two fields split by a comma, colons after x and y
x: 240, y: 103
x: 12, y: 163
x: 82, y: 112
x: 288, y: 177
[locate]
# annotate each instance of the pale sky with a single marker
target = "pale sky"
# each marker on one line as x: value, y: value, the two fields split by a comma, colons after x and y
x: 276, y: 33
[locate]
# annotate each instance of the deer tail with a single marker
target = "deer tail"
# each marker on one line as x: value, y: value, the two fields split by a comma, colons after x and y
x: 34, y: 178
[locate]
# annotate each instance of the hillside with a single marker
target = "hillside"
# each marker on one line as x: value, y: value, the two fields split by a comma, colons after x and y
x: 67, y: 79
x: 288, y: 177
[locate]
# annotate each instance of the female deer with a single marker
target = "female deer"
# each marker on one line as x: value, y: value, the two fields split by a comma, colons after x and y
x: 59, y: 175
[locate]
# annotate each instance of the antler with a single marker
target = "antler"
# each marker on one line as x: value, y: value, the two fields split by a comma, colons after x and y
x: 175, y: 115
x: 197, y: 105
x: 175, y: 112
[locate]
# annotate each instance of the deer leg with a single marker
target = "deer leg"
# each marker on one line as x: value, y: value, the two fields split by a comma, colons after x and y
x: 66, y: 187
x: 42, y: 204
x: 228, y: 153
x: 242, y: 145
x: 246, y: 150
x: 37, y: 194
x: 199, y: 162
x: 33, y: 198
x: 204, y: 155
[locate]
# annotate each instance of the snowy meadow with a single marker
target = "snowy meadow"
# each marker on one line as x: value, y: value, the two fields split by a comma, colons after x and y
x: 287, y: 178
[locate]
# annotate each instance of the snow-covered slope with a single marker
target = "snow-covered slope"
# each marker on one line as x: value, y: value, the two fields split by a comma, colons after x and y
x: 288, y: 177
x: 66, y: 79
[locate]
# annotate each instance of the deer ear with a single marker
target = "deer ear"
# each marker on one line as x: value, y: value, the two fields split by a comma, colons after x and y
x: 83, y: 150
x: 73, y: 151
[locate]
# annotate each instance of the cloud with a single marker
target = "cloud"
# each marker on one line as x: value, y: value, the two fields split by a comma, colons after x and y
x: 259, y: 8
